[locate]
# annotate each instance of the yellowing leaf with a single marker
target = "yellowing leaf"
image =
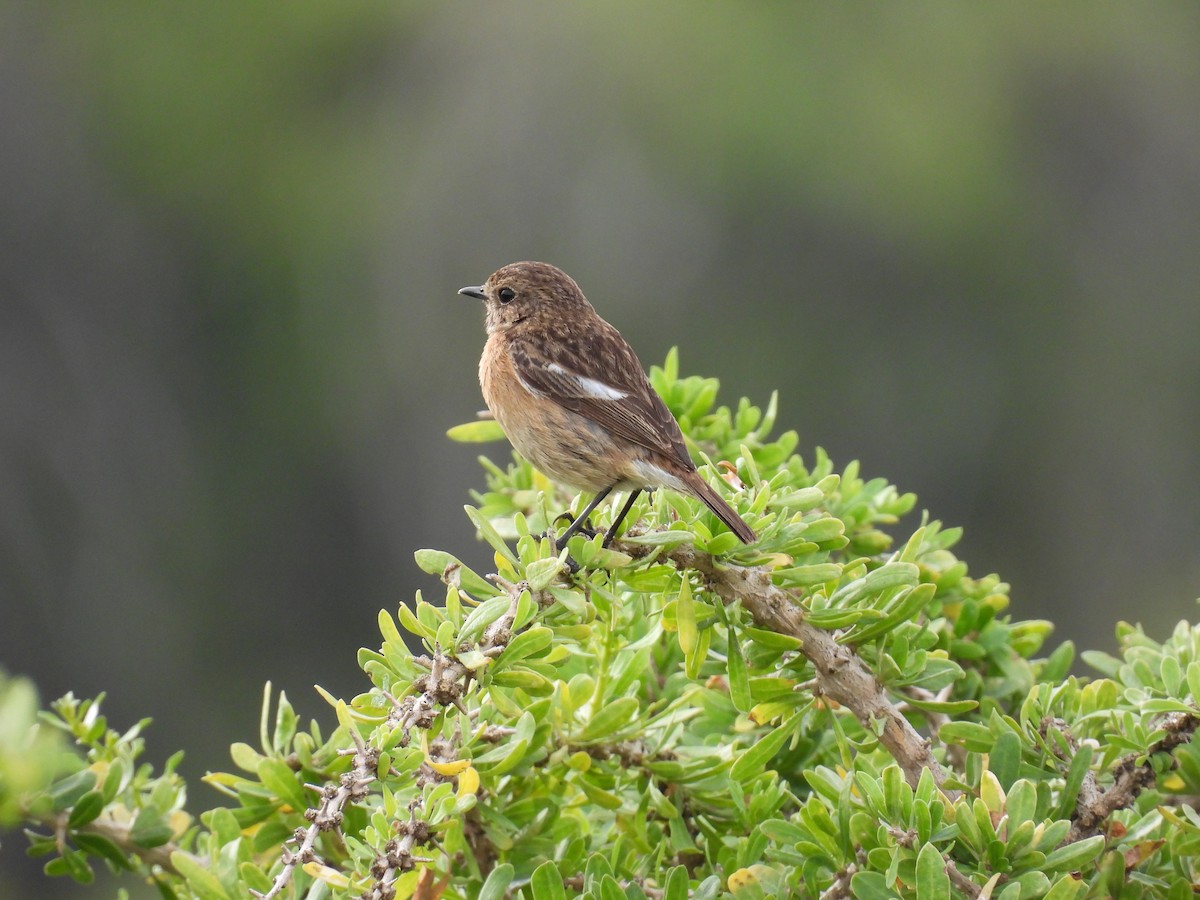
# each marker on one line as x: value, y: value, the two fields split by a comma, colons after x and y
x: 449, y: 769
x: 685, y: 619
x: 331, y: 877
x: 991, y: 792
x: 476, y: 432
x: 468, y: 782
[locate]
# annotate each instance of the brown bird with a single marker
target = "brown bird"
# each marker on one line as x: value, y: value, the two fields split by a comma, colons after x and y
x: 574, y: 400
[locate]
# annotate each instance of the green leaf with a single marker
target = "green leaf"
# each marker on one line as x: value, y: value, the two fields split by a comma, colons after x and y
x: 608, y: 720
x: 676, y: 885
x: 1073, y: 857
x: 481, y: 617
x: 1066, y: 888
x: 1058, y: 663
x: 752, y: 762
x: 693, y: 662
x: 86, y: 808
x: 524, y: 678
x: 573, y: 601
x: 721, y: 544
x: 270, y: 836
x: 508, y: 755
x: 281, y: 781
x: 781, y: 831
x: 825, y: 782
x: 975, y: 737
x: 902, y: 608
x: 772, y: 640
x: 480, y: 432
x: 1193, y: 680
x: 835, y: 618
x: 388, y: 629
x: 1021, y: 803
x: 1102, y: 662
x: 285, y: 725
x: 871, y: 886
x: 204, y: 883
x: 114, y: 780
x: 547, y: 882
x: 256, y: 879
x: 598, y: 795
x: 932, y: 881
x: 528, y: 643
x: 946, y: 707
x: 497, y: 882
x: 413, y: 625
x: 541, y: 572
x: 488, y: 532
x: 1005, y: 759
x: 805, y: 576
x: 224, y: 825
x: 245, y: 757
x: 610, y: 889
x: 102, y: 847
x: 448, y: 567
x: 67, y: 792
x: 149, y: 829
x: 739, y: 680
x: 1172, y: 675
x: 1080, y: 763
x: 73, y: 863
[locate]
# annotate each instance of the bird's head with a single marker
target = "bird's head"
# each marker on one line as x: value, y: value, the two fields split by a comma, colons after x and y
x: 528, y: 291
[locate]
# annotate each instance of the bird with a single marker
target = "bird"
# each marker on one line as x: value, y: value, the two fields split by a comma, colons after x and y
x: 572, y: 397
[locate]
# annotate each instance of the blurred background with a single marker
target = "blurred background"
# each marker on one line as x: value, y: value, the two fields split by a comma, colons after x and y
x: 962, y: 241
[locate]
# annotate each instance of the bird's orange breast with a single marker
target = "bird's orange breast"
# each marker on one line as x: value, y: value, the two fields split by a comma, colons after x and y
x: 565, y: 446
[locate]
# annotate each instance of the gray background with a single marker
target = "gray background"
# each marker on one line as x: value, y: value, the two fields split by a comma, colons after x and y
x: 961, y: 241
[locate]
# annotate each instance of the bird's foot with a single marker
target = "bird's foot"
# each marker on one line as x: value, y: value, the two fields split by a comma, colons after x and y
x: 585, y: 529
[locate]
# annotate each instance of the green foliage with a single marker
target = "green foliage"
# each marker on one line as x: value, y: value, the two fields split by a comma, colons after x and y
x: 639, y: 726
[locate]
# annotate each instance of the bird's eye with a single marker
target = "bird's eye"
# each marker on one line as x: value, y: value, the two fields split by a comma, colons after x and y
x: 506, y: 294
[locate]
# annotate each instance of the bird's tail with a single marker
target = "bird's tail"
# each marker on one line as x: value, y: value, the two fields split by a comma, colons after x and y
x: 723, y: 511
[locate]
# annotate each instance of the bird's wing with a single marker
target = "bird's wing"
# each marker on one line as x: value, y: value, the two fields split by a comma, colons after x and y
x: 598, y: 376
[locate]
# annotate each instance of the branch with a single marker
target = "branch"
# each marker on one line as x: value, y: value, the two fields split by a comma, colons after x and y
x: 328, y: 816
x: 120, y: 834
x: 841, y: 673
x: 1130, y: 778
x: 960, y: 882
x: 840, y: 889
x: 443, y: 686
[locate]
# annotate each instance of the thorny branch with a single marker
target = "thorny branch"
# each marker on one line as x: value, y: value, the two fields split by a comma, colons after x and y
x: 1130, y: 778
x: 444, y: 685
x: 353, y: 786
x: 841, y: 674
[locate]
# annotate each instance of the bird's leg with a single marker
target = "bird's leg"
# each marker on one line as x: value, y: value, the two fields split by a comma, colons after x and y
x: 612, y: 529
x: 585, y: 529
x: 583, y: 517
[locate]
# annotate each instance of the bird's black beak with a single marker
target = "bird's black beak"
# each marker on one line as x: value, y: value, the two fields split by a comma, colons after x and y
x: 475, y: 291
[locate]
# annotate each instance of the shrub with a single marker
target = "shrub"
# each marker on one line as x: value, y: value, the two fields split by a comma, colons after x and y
x: 828, y: 712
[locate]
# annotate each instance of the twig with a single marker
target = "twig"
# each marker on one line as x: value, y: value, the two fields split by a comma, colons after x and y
x: 1130, y: 778
x: 840, y: 889
x: 120, y: 834
x: 960, y: 882
x: 353, y: 786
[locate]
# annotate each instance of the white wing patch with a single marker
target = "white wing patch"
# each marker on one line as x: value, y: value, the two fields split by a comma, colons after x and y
x: 590, y: 386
